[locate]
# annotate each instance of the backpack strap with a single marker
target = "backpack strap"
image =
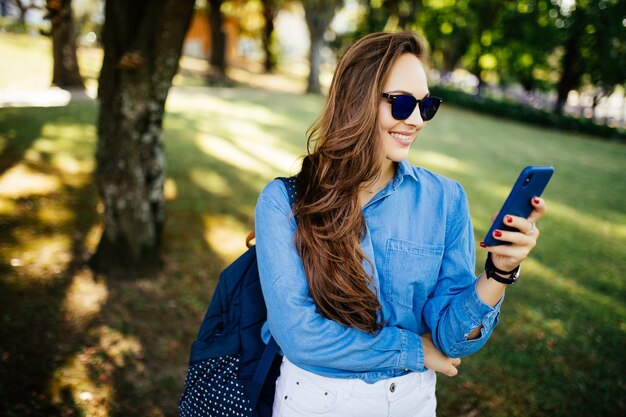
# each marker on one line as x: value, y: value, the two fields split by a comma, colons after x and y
x: 290, y: 185
x: 272, y: 348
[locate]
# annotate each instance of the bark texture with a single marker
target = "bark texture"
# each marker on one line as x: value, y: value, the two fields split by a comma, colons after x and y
x: 142, y: 45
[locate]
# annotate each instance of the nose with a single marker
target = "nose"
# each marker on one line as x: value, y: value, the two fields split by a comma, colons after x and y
x: 415, y: 119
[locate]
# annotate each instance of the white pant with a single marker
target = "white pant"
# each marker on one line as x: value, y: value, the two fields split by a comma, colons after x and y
x: 300, y: 393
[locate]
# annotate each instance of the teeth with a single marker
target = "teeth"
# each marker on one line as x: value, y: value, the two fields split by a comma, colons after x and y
x: 398, y: 136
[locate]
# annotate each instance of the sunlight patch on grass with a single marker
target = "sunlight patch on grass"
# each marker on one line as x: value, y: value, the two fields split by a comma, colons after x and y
x: 8, y: 135
x: 20, y: 52
x: 69, y: 164
x: 170, y: 190
x: 42, y: 254
x: 228, y: 104
x: 536, y: 271
x: 73, y: 379
x: 534, y: 323
x: 225, y: 151
x: 72, y: 138
x: 264, y: 147
x: 23, y: 181
x: 33, y: 155
x: 92, y: 238
x: 225, y: 235
x: 440, y: 160
x: 55, y: 215
x: 211, y: 181
x: 85, y: 297
x: 89, y: 375
x: 269, y: 81
x: 8, y: 207
x: 588, y: 221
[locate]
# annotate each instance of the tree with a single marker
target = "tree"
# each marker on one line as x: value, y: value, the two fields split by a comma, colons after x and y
x: 528, y: 40
x: 610, y: 47
x: 484, y: 17
x: 142, y: 45
x: 593, y: 45
x: 318, y: 14
x: 447, y: 29
x: 218, y: 38
x: 382, y: 15
x: 65, y: 71
x: 403, y: 11
x: 23, y: 7
x: 270, y: 10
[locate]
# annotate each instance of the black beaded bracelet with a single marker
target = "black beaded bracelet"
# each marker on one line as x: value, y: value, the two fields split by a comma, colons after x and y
x: 493, y: 272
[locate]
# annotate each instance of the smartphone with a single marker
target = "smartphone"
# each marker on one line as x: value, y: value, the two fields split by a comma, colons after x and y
x: 530, y: 183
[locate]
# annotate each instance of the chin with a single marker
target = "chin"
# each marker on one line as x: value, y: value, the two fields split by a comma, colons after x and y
x: 398, y: 156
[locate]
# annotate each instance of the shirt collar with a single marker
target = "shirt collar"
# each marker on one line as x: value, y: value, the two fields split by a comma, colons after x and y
x: 404, y: 169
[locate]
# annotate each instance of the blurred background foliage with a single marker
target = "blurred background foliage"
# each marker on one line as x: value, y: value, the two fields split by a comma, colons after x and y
x: 560, y: 56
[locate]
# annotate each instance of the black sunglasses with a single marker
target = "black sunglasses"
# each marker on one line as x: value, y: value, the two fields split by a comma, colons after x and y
x: 402, y: 106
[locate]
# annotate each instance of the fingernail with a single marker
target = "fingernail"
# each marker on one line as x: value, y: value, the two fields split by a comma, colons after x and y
x: 509, y: 219
x: 497, y: 233
x: 482, y: 245
x: 536, y: 200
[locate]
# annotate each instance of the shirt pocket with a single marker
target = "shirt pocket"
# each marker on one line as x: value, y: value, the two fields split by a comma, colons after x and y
x: 411, y: 271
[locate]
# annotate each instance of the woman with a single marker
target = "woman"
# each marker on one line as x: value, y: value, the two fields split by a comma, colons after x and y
x: 374, y: 290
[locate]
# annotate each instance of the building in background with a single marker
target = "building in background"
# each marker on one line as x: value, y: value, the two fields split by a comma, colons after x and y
x: 198, y: 41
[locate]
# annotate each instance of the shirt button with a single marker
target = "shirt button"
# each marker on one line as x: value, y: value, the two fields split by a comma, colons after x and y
x: 392, y: 387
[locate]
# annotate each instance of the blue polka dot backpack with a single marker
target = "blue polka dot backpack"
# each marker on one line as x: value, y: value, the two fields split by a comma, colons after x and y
x: 231, y: 371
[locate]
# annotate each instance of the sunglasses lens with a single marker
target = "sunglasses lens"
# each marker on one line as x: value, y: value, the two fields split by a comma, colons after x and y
x: 429, y: 107
x: 402, y: 107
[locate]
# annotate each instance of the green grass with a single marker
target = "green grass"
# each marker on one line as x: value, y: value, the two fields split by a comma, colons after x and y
x: 77, y: 344
x: 558, y: 347
x: 90, y: 345
x: 26, y: 62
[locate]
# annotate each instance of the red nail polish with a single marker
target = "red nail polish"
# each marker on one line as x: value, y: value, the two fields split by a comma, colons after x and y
x: 482, y: 245
x: 535, y: 200
x: 509, y: 219
x: 497, y: 233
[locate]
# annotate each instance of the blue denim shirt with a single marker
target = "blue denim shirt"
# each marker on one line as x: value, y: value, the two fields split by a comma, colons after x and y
x: 420, y: 239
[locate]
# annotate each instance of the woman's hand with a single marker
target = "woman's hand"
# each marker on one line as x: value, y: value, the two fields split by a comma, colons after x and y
x: 437, y: 361
x: 508, y: 257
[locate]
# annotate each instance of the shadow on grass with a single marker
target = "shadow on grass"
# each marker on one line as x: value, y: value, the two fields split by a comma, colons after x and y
x: 75, y: 343
x: 39, y: 252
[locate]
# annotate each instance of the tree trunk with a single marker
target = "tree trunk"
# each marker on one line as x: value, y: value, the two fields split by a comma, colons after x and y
x: 269, y: 14
x: 318, y: 15
x: 23, y: 9
x: 218, y: 38
x: 315, y: 59
x: 572, y: 70
x: 142, y: 45
x: 478, y: 74
x: 65, y: 71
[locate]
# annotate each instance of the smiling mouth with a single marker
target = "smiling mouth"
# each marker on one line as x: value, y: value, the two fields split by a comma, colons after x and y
x: 402, y: 139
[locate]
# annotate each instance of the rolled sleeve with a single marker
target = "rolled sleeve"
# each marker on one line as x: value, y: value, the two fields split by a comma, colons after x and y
x: 455, y: 309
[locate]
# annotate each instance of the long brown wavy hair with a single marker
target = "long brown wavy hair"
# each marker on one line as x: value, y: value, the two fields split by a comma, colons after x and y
x: 347, y: 154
